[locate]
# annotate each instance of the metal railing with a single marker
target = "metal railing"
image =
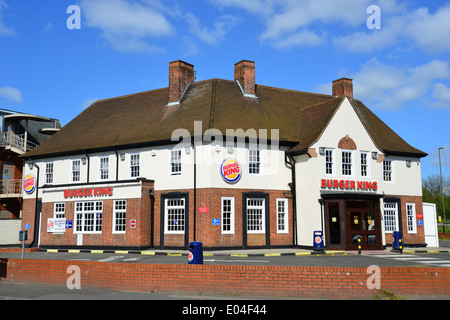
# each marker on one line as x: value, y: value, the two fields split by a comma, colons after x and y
x: 18, y: 142
x: 10, y: 187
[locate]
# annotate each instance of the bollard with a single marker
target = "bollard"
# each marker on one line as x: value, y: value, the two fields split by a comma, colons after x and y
x: 359, y: 245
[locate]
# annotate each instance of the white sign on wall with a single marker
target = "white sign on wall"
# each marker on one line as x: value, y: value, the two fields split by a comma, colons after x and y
x: 56, y: 225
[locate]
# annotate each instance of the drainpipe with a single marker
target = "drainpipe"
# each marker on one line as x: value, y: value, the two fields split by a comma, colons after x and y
x: 117, y: 164
x: 289, y: 159
x: 195, y: 192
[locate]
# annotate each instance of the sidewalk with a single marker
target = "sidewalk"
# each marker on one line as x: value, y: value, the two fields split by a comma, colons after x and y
x: 239, y: 252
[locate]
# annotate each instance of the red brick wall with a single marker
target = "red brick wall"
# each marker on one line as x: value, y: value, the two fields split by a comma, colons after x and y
x: 140, y: 210
x: 137, y: 209
x: 408, y: 238
x: 210, y: 235
x: 307, y: 282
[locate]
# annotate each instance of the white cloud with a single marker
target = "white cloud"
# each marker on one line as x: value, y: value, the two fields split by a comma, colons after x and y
x: 215, y: 35
x: 392, y: 87
x: 430, y: 31
x: 4, y: 30
x: 418, y: 28
x: 441, y: 95
x: 127, y: 26
x: 304, y: 38
x: 389, y: 87
x: 11, y: 94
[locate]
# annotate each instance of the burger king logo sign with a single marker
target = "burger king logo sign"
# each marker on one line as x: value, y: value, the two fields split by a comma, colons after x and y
x: 230, y: 170
x: 29, y: 183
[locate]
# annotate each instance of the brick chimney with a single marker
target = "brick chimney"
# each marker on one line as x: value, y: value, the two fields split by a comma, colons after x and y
x: 343, y: 87
x: 180, y: 75
x: 244, y: 72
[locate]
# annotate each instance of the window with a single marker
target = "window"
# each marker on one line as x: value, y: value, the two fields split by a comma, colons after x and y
x: 411, y: 217
x: 390, y: 217
x: 59, y: 211
x: 175, y: 162
x: 282, y: 216
x: 89, y: 216
x: 135, y: 165
x: 329, y: 156
x: 255, y: 216
x: 174, y: 215
x: 346, y: 163
x: 120, y: 216
x: 254, y: 163
x: 227, y: 215
x: 387, y: 170
x: 104, y: 168
x: 76, y: 167
x: 364, y: 164
x: 49, y: 173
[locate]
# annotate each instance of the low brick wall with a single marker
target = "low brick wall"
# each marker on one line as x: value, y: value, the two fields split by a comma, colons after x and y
x: 319, y: 282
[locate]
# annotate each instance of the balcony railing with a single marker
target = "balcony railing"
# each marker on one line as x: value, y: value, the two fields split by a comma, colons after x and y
x: 10, y: 188
x: 17, y: 142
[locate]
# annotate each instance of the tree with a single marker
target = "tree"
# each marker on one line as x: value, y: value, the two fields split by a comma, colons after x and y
x: 432, y: 192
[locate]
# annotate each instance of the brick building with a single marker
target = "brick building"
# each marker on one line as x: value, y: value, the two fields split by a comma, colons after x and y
x: 232, y: 164
x: 19, y: 133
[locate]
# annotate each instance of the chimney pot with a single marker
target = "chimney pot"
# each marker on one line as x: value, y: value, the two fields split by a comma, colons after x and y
x: 343, y: 87
x: 244, y: 72
x: 180, y: 75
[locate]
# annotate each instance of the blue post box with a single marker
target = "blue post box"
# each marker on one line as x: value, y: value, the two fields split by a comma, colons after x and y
x: 195, y: 255
x: 318, y: 241
x: 398, y: 241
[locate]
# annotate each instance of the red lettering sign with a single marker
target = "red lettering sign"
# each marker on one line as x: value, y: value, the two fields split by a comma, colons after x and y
x: 348, y: 185
x: 88, y: 192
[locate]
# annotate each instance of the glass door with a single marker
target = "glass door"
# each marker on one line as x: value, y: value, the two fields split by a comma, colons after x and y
x: 365, y: 225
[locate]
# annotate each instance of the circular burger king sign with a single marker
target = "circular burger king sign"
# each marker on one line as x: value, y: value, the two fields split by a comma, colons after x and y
x: 29, y: 183
x: 230, y: 170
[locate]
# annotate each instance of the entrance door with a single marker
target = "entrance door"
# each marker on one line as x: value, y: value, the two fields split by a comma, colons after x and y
x: 335, y: 234
x: 430, y: 225
x: 364, y: 223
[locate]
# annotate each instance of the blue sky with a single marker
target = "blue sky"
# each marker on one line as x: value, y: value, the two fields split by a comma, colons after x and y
x: 401, y: 71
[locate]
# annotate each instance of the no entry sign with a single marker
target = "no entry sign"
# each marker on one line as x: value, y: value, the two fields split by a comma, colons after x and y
x: 132, y: 224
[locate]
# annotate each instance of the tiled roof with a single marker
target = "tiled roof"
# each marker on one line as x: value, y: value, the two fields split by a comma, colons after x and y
x: 146, y: 118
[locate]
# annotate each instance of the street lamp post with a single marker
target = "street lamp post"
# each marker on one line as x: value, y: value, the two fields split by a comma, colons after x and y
x: 442, y: 187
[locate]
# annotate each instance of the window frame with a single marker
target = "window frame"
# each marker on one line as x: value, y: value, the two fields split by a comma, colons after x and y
x: 254, y: 165
x: 102, y: 170
x: 59, y: 210
x: 49, y: 174
x: 117, y: 221
x: 131, y: 165
x: 389, y: 171
x: 73, y: 171
x: 261, y: 229
x: 367, y: 164
x: 391, y: 218
x: 80, y: 217
x: 231, y: 213
x: 332, y: 164
x: 286, y: 215
x: 350, y: 164
x: 411, y: 220
x: 175, y: 162
x: 182, y: 228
